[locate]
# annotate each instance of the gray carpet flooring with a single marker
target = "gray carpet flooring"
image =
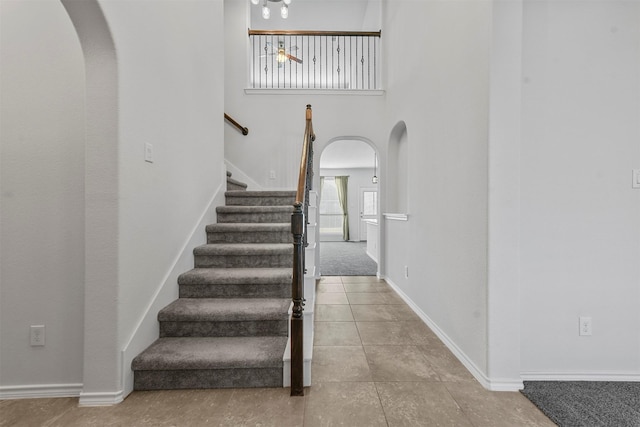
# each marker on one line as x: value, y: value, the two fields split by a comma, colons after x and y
x: 346, y: 259
x: 587, y: 404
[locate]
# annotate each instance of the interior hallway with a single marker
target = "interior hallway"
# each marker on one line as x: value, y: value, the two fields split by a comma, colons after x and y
x: 375, y: 364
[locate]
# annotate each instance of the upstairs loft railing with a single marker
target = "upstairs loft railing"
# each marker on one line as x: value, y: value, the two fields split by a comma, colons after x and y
x: 348, y: 60
x: 299, y: 231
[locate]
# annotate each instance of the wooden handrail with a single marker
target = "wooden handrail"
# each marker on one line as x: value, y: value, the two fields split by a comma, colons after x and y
x: 314, y: 33
x: 299, y: 231
x: 244, y: 130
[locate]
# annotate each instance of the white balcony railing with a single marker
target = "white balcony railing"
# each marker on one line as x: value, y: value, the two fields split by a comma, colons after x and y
x: 315, y: 60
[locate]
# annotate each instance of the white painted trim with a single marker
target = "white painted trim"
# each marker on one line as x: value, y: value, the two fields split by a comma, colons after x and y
x: 146, y: 331
x: 332, y: 92
x: 101, y: 399
x: 581, y: 376
x: 38, y: 391
x: 498, y: 384
x: 395, y: 216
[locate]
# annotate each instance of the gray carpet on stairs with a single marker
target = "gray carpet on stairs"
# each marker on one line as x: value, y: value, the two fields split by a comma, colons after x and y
x: 587, y: 403
x: 229, y: 327
x: 346, y: 259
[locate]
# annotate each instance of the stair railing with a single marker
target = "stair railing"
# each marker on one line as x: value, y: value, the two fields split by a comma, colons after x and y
x: 299, y: 231
x: 243, y: 129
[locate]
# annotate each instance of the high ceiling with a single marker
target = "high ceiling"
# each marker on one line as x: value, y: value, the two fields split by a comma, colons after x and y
x: 337, y: 15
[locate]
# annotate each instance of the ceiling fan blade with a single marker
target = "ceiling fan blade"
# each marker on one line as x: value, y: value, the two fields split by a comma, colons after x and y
x: 293, y: 58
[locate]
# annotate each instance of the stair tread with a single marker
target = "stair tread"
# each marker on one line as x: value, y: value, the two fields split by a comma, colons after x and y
x: 253, y: 209
x: 225, y: 309
x: 183, y: 353
x: 248, y: 227
x: 235, y: 276
x: 264, y: 193
x: 243, y: 249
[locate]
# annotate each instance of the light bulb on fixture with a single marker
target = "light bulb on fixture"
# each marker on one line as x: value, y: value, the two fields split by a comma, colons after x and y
x: 255, y: 1
x: 287, y: 2
x: 284, y: 11
x: 266, y: 13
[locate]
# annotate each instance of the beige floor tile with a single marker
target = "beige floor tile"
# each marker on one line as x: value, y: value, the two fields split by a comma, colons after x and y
x: 344, y: 404
x: 329, y: 287
x: 34, y: 412
x: 335, y: 364
x: 154, y: 408
x: 420, y: 404
x: 384, y: 333
x: 446, y: 365
x: 336, y: 333
x: 383, y: 313
x: 374, y: 298
x: 371, y: 287
x: 361, y: 279
x: 399, y: 363
x: 333, y: 313
x: 330, y: 279
x: 496, y: 409
x: 332, y: 298
x: 263, y: 407
x: 374, y: 313
x: 396, y: 333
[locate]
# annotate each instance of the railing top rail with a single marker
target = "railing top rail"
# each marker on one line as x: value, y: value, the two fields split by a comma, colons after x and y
x: 243, y: 129
x: 309, y: 137
x: 314, y: 33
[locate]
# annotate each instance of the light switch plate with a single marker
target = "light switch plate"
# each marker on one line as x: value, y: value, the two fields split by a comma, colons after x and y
x: 148, y: 153
x: 636, y: 178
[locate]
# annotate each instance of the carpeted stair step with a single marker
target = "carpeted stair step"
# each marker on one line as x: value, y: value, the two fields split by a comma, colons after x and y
x: 234, y: 185
x: 225, y: 317
x: 213, y: 362
x: 236, y: 282
x: 260, y: 198
x: 249, y: 233
x: 253, y: 214
x: 244, y: 255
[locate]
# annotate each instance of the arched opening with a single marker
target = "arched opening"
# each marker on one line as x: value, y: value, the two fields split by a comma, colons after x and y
x: 348, y: 208
x: 102, y: 379
x: 398, y: 176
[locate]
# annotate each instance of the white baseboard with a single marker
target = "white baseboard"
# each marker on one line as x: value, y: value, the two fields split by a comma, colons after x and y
x: 581, y: 376
x: 495, y: 384
x: 101, y: 399
x: 39, y: 391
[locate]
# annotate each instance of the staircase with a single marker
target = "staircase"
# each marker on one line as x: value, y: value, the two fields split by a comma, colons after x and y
x: 229, y: 327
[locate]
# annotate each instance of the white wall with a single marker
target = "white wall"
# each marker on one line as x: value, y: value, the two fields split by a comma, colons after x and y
x: 580, y: 225
x: 171, y: 86
x: 441, y: 93
x: 276, y: 122
x: 167, y: 90
x: 358, y: 178
x: 41, y: 196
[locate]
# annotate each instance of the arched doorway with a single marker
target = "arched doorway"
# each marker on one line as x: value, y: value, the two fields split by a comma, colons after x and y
x: 348, y: 207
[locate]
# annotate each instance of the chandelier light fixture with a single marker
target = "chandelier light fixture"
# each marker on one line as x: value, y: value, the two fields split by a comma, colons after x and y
x: 266, y: 12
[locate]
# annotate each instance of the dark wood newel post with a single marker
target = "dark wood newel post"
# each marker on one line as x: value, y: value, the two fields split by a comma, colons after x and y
x: 297, y: 293
x: 299, y: 231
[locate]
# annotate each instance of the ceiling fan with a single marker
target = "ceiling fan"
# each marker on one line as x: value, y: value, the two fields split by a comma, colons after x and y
x: 281, y: 52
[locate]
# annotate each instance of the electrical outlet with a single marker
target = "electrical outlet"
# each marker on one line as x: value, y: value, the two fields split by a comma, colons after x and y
x: 272, y: 174
x: 36, y: 337
x: 585, y: 326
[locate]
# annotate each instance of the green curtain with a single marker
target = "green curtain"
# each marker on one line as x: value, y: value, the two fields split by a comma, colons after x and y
x: 342, y: 184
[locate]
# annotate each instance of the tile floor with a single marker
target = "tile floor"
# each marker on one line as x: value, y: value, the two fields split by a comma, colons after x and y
x: 375, y: 364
